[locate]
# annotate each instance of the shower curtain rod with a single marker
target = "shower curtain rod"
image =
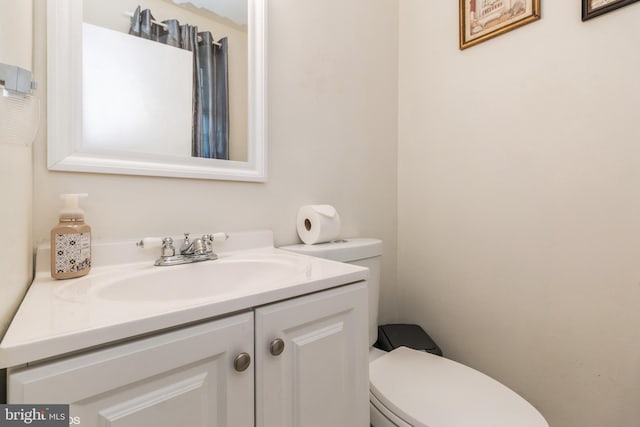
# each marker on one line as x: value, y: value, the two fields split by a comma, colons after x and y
x: 165, y: 26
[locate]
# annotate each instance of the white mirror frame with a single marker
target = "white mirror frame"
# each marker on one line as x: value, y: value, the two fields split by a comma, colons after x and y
x: 64, y: 108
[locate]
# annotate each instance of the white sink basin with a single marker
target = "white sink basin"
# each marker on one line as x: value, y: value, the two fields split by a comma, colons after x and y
x: 202, y: 280
x: 125, y: 295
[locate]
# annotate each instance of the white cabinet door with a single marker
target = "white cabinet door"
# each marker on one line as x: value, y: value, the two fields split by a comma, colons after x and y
x: 184, y: 377
x: 321, y: 378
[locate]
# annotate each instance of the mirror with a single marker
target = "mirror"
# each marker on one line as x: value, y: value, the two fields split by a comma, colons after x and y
x: 72, y: 147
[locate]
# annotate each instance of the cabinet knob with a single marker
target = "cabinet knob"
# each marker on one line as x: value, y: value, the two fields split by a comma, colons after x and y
x: 242, y: 362
x: 277, y: 347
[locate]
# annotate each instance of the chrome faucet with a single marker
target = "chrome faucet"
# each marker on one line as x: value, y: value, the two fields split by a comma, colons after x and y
x: 200, y: 246
x: 200, y: 249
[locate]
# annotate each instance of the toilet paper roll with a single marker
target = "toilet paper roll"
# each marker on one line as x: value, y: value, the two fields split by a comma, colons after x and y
x: 318, y: 224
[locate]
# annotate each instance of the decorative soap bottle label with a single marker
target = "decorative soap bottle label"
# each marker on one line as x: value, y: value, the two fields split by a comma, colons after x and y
x: 73, y: 252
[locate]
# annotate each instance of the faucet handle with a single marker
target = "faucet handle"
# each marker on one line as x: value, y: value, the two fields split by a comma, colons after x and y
x: 165, y: 243
x: 149, y: 243
x: 208, y: 240
x: 221, y: 237
x: 167, y: 247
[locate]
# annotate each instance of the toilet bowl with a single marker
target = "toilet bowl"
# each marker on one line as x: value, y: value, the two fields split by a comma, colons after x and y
x: 412, y: 388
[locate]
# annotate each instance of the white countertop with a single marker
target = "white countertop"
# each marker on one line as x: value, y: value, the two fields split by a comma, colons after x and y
x: 52, y: 322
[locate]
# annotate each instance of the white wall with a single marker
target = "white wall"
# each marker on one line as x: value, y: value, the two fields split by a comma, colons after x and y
x: 15, y: 171
x: 332, y: 139
x: 16, y: 33
x: 15, y: 228
x: 519, y: 203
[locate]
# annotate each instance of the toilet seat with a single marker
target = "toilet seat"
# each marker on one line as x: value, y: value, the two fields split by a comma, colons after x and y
x: 425, y: 390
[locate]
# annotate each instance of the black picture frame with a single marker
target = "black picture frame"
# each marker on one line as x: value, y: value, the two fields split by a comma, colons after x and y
x: 588, y: 11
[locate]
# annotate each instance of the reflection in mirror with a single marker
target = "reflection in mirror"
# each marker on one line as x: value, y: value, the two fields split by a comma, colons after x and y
x: 219, y: 80
x: 234, y: 10
x: 143, y: 108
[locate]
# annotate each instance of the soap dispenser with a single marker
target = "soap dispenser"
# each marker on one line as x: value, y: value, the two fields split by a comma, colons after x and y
x: 70, y: 241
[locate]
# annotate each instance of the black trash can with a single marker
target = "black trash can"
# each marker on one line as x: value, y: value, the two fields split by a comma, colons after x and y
x: 404, y: 335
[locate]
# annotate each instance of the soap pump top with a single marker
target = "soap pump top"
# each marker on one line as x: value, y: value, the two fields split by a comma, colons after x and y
x: 72, y: 211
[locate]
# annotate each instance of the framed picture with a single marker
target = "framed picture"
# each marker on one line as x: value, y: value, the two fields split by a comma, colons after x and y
x: 481, y: 20
x: 593, y: 8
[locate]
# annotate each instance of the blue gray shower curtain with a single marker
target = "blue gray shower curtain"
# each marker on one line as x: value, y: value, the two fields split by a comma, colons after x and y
x: 210, y: 136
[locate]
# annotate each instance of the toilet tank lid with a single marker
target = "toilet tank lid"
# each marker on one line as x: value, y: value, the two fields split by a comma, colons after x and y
x: 343, y: 250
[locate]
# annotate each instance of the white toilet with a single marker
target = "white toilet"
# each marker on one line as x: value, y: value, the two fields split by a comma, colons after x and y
x: 412, y: 388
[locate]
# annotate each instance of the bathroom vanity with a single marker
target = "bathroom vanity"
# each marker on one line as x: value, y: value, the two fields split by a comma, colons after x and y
x: 259, y: 337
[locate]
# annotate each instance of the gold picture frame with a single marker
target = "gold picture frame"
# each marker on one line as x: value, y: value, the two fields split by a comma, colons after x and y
x: 481, y: 20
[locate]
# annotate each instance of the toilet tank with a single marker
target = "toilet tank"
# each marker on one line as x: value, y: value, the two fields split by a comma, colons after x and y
x: 358, y: 251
